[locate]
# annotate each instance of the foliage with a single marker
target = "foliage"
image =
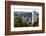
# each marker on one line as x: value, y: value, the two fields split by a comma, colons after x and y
x: 18, y: 23
x: 35, y: 24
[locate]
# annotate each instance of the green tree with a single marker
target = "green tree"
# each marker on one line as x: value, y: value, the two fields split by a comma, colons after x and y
x: 17, y: 21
